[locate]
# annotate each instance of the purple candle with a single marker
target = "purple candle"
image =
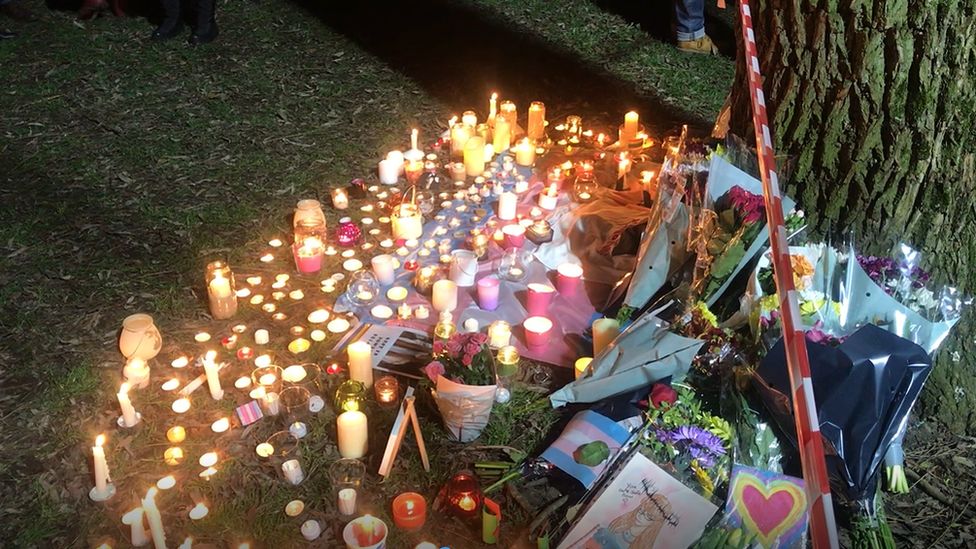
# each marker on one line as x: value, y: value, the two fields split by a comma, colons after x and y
x: 538, y: 299
x: 488, y: 293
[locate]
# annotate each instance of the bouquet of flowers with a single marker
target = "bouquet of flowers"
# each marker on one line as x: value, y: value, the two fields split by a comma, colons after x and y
x: 463, y: 375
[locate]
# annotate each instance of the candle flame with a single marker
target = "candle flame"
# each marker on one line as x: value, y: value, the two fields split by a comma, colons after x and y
x: 99, y: 440
x: 552, y: 190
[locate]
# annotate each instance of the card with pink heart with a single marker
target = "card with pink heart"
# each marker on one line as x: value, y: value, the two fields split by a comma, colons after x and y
x: 769, y: 505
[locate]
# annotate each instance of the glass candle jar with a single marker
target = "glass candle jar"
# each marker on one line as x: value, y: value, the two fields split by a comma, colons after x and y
x: 350, y: 396
x: 585, y: 187
x: 309, y: 245
x: 363, y: 287
x: 221, y: 290
x: 348, y: 233
x: 387, y: 390
x: 508, y: 361
x: 464, y: 496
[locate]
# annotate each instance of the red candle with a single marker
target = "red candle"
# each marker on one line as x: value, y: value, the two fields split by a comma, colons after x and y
x: 514, y: 235
x: 568, y: 278
x: 308, y: 258
x: 464, y: 495
x: 537, y: 329
x: 409, y: 511
x: 538, y: 298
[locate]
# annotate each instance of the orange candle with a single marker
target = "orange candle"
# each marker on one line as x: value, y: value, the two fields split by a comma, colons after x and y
x: 409, y: 511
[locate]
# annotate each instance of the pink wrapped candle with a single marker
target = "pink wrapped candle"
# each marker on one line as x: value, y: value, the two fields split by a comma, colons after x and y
x: 514, y: 235
x: 308, y: 258
x: 537, y: 331
x: 538, y: 298
x: 488, y: 293
x: 568, y: 278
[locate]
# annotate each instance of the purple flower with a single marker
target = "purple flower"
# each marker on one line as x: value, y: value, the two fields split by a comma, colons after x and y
x: 700, y: 444
x: 433, y: 370
x: 750, y: 207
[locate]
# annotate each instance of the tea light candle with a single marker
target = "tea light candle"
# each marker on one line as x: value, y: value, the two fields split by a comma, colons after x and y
x: 499, y: 334
x: 537, y: 120
x: 444, y: 296
x: 537, y: 331
x: 421, y: 312
x: 409, y: 511
x: 387, y: 390
x: 360, y: 362
x: 129, y: 416
x: 173, y: 455
x: 176, y: 434
x: 294, y: 507
x: 581, y: 365
x: 199, y: 511
x: 311, y: 530
x: 605, y: 330
x: 549, y: 198
x: 508, y: 361
x: 474, y: 156
x: 404, y: 311
x: 181, y: 405
x: 261, y: 337
x: 396, y: 294
x: 272, y: 404
x: 340, y: 199
x: 568, y: 278
x: 352, y: 434
x: 220, y: 291
x: 292, y: 470
x: 220, y: 426
x: 264, y: 450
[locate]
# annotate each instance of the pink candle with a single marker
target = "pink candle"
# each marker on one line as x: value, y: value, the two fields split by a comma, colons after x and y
x: 308, y: 260
x: 538, y: 298
x: 514, y: 235
x: 488, y: 293
x: 568, y: 278
x: 537, y: 330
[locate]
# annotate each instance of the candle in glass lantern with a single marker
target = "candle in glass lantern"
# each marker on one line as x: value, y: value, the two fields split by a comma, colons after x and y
x: 460, y: 133
x: 220, y: 290
x: 352, y: 434
x: 568, y: 278
x: 309, y: 246
x: 508, y: 361
x: 605, y: 330
x: 629, y: 130
x: 101, y: 470
x: 129, y: 415
x: 361, y: 362
x: 580, y: 367
x: 502, y: 134
x: 413, y: 170
x: 308, y: 210
x: 340, y: 199
x: 424, y: 279
x: 211, y: 368
x: 474, y: 156
x: 406, y: 221
x: 154, y: 518
x: 507, y: 206
x: 464, y: 495
x: 387, y: 390
x: 537, y: 331
x: 525, y: 153
x: 409, y: 511
x: 537, y: 121
x: 509, y: 111
x: 499, y: 334
x: 549, y: 198
x: 444, y: 296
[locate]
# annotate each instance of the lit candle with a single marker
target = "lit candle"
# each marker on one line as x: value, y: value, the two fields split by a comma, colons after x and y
x: 537, y: 120
x: 414, y: 154
x: 538, y: 298
x: 460, y: 133
x: 508, y: 361
x: 199, y: 511
x: 264, y: 450
x: 176, y: 434
x: 220, y: 291
x: 272, y: 404
x: 137, y: 528
x: 352, y: 434
x: 154, y: 518
x: 100, y: 466
x: 629, y: 131
x: 311, y: 530
x: 360, y: 362
x: 444, y: 296
x: 549, y: 198
x: 507, y: 206
x: 488, y: 290
x: 502, y: 135
x: 383, y: 269
x: 409, y: 511
x: 474, y: 156
x: 537, y: 330
x: 211, y: 368
x: 605, y: 330
x: 387, y: 390
x: 340, y: 199
x: 525, y: 153
x: 308, y: 255
x: 499, y: 334
x: 389, y: 171
x: 509, y: 111
x: 469, y: 118
x: 492, y: 107
x: 129, y: 416
x: 568, y: 278
x: 581, y: 366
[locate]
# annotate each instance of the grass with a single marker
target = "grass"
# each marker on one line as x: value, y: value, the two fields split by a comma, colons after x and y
x: 126, y: 165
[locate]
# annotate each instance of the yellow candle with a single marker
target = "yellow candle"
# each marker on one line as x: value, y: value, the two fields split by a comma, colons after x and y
x: 101, y: 465
x: 605, y: 330
x: 502, y: 135
x: 352, y: 434
x: 525, y: 153
x: 537, y: 120
x: 629, y: 131
x: 361, y: 362
x: 469, y: 118
x: 581, y: 365
x: 474, y: 156
x: 459, y: 138
x: 499, y: 334
x: 444, y: 297
x: 129, y: 418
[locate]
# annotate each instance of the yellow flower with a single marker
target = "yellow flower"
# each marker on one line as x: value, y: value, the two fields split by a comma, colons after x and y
x: 703, y: 479
x: 801, y: 268
x: 706, y: 314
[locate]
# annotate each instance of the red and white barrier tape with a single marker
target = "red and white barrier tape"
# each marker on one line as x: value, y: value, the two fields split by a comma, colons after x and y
x: 823, y: 528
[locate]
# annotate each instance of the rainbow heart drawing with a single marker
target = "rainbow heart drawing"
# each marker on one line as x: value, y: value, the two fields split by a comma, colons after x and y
x: 770, y: 505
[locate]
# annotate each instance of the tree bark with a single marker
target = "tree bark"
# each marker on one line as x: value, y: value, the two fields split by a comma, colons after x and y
x: 875, y: 101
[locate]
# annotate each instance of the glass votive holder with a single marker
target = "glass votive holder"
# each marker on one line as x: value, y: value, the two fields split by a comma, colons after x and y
x: 507, y: 362
x: 294, y: 404
x: 346, y: 477
x: 387, y: 391
x: 267, y: 377
x: 350, y: 395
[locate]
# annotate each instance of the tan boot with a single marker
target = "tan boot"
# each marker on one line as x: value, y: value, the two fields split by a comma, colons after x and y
x: 701, y: 45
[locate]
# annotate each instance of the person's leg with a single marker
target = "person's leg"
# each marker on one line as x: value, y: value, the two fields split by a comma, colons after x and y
x: 206, y: 29
x: 690, y: 16
x: 172, y: 24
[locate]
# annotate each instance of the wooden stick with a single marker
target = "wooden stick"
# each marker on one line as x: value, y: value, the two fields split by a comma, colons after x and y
x: 412, y: 412
x: 396, y: 437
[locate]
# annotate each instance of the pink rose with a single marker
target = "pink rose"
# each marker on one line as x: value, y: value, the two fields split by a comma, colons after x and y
x: 466, y: 359
x: 438, y: 347
x: 472, y: 349
x: 453, y: 346
x: 433, y: 370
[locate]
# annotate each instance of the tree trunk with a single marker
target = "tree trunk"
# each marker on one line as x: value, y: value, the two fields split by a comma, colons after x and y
x: 876, y: 104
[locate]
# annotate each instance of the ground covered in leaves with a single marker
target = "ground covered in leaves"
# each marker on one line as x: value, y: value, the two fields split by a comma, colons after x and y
x: 125, y: 166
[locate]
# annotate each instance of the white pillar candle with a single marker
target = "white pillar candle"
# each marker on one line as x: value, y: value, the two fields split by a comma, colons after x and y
x: 549, y: 198
x: 211, y: 368
x: 537, y: 120
x: 629, y: 131
x: 383, y: 269
x: 469, y: 118
x: 223, y: 300
x: 397, y: 158
x: 154, y: 518
x: 347, y: 501
x: 444, y: 296
x: 311, y: 530
x: 352, y: 434
x: 100, y: 464
x: 360, y: 362
x: 525, y: 153
x: 292, y: 470
x: 129, y: 417
x: 137, y: 527
x: 389, y: 172
x: 605, y: 330
x: 474, y: 156
x: 507, y: 206
x: 459, y: 138
x: 502, y: 135
x: 414, y: 154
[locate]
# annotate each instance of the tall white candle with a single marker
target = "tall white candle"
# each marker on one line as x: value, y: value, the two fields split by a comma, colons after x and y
x: 211, y: 368
x: 444, y: 296
x: 507, y: 206
x: 605, y: 330
x: 361, y: 362
x: 101, y: 466
x: 137, y: 527
x: 492, y: 108
x: 352, y: 434
x: 129, y: 418
x: 383, y: 269
x: 154, y: 518
x: 413, y: 138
